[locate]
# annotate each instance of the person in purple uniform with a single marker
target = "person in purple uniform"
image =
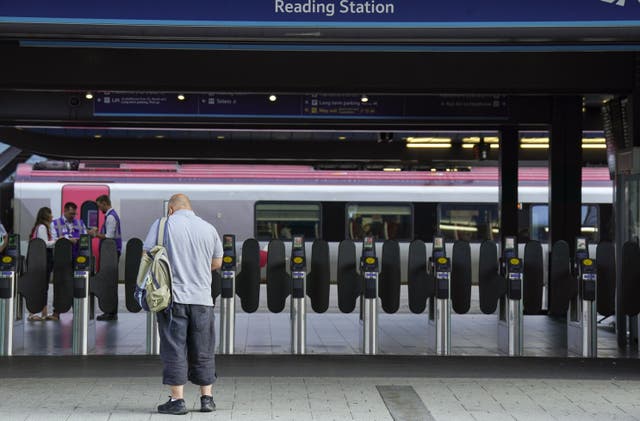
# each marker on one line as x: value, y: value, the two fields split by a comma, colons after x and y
x: 67, y: 226
x: 110, y: 229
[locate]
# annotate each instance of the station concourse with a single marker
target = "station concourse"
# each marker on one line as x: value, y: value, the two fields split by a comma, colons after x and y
x: 428, y: 212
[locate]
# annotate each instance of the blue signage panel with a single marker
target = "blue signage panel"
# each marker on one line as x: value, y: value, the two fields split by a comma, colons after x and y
x: 370, y: 13
x: 149, y: 104
x: 224, y: 105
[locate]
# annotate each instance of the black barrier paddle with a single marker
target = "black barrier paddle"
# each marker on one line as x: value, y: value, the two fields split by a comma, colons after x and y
x: 349, y: 282
x: 418, y: 287
x: 62, y: 275
x: 132, y: 257
x: 461, y: 277
x: 319, y: 277
x: 104, y: 285
x: 389, y: 285
x: 248, y: 279
x: 34, y: 282
x: 606, y: 263
x: 561, y: 280
x: 488, y: 285
x: 278, y: 280
x: 533, y: 278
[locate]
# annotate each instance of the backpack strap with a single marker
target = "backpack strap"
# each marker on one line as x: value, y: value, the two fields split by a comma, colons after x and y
x: 162, y: 229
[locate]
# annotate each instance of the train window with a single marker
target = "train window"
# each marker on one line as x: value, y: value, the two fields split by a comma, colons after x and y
x: 540, y: 223
x: 470, y: 222
x: 388, y: 221
x: 283, y: 220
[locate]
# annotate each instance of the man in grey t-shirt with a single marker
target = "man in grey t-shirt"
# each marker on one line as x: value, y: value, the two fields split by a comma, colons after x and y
x: 187, y: 335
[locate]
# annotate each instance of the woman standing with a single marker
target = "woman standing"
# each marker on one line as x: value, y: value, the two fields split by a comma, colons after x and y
x: 42, y: 230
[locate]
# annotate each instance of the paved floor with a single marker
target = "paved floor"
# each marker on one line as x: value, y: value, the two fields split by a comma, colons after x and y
x: 545, y: 389
x: 333, y: 382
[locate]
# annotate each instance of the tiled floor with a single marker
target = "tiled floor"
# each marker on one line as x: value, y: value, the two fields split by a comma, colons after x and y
x: 403, y: 333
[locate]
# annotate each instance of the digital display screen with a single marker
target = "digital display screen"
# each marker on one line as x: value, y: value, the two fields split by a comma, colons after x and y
x: 367, y: 243
x: 438, y: 242
x: 227, y: 242
x: 298, y: 242
x: 84, y: 241
x: 581, y: 243
x: 510, y: 243
x: 12, y: 241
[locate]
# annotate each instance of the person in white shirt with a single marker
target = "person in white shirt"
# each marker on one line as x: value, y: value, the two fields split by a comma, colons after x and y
x: 42, y: 230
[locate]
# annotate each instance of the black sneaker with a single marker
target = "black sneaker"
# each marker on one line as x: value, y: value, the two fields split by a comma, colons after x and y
x: 207, y: 404
x: 176, y: 407
x: 107, y: 317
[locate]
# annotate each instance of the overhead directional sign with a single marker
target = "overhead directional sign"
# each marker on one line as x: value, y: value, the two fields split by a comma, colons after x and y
x: 337, y: 106
x: 368, y: 13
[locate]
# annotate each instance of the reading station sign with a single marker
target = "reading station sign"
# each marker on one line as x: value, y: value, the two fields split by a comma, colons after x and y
x: 328, y: 13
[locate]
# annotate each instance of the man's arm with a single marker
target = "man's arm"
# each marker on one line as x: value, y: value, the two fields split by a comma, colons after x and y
x: 216, y: 263
x: 3, y: 246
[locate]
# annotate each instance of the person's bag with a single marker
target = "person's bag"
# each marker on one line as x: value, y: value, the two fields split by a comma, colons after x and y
x: 153, y: 284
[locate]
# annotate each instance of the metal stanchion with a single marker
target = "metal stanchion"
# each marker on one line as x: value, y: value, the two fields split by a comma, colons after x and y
x: 11, y: 305
x: 510, y: 318
x: 369, y: 271
x: 439, y: 323
x: 298, y: 294
x: 84, y: 327
x: 582, y: 338
x: 228, y: 295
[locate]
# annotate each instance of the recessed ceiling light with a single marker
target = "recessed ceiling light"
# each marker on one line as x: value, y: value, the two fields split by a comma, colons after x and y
x: 180, y: 97
x: 272, y: 98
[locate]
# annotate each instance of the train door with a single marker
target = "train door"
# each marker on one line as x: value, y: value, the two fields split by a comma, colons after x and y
x: 84, y: 195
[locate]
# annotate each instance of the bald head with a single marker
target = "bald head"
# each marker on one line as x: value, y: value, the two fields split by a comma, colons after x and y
x: 179, y: 201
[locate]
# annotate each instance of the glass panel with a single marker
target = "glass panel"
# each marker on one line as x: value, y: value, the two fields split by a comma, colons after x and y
x: 470, y: 222
x: 283, y: 220
x: 381, y: 221
x: 540, y: 223
x: 590, y: 223
x: 633, y: 224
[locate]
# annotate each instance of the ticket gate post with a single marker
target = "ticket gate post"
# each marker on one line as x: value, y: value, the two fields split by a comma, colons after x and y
x: 298, y: 293
x: 369, y: 300
x: 510, y: 317
x: 153, y: 335
x: 582, y: 338
x: 84, y: 325
x: 227, y: 295
x: 439, y: 323
x: 11, y: 303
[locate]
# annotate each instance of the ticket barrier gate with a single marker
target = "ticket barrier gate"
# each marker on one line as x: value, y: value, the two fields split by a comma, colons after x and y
x: 369, y: 272
x: 11, y: 303
x: 510, y: 315
x: 84, y: 325
x: 227, y: 295
x: 298, y: 265
x: 439, y: 323
x: 582, y: 338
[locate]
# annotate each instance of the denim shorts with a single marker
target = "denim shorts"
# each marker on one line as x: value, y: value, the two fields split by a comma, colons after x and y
x: 187, y: 345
